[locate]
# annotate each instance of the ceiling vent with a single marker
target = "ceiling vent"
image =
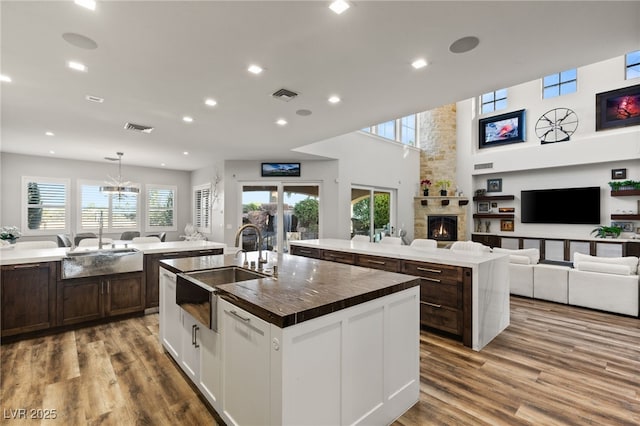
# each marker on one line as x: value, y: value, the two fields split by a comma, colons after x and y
x: 138, y: 128
x: 483, y: 166
x: 284, y: 95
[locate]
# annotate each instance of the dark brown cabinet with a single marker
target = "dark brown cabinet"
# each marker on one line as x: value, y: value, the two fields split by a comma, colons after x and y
x: 87, y: 299
x: 28, y: 297
x: 378, y: 262
x: 306, y: 252
x: 339, y: 256
x: 152, y: 271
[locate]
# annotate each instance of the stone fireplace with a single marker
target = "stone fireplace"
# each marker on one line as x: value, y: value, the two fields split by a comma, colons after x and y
x: 440, y: 218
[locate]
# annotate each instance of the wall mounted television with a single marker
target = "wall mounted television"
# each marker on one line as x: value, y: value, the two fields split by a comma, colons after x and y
x: 280, y: 170
x: 564, y: 205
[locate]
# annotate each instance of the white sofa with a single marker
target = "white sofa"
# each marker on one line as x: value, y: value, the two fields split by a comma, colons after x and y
x: 606, y: 283
x: 521, y: 264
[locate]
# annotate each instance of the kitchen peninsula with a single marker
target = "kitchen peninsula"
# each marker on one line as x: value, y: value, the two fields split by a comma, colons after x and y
x: 320, y: 342
x: 462, y: 293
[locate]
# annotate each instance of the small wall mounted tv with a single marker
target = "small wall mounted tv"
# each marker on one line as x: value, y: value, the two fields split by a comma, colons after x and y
x: 564, y: 205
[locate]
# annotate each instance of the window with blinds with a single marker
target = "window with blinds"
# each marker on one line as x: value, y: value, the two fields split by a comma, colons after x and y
x: 45, y: 205
x: 202, y: 207
x: 119, y: 212
x: 161, y: 213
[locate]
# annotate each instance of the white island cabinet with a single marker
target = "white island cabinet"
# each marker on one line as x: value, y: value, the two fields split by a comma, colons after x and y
x: 358, y: 365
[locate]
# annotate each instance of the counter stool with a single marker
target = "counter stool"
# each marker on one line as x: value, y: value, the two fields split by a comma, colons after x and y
x: 551, y: 282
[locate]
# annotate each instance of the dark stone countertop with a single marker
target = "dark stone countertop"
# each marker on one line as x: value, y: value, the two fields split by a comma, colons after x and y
x: 304, y: 289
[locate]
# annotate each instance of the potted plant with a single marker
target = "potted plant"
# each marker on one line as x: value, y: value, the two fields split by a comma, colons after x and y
x: 10, y: 233
x: 425, y: 183
x: 443, y: 184
x: 602, y: 231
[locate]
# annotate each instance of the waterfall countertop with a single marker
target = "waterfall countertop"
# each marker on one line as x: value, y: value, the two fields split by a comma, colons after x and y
x: 304, y: 288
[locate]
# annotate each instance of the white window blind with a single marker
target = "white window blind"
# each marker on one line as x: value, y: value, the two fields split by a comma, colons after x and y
x: 161, y: 214
x: 45, y: 205
x: 119, y: 212
x: 202, y: 208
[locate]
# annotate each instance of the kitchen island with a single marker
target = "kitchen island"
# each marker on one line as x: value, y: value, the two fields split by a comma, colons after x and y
x: 321, y: 343
x: 465, y: 294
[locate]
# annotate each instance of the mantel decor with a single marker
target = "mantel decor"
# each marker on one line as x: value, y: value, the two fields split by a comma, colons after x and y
x: 618, y: 108
x: 502, y: 129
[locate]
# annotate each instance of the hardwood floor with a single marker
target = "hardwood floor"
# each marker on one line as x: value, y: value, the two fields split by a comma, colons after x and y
x: 554, y: 365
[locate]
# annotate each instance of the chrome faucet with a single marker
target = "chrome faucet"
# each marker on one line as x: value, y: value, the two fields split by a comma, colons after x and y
x: 239, y: 233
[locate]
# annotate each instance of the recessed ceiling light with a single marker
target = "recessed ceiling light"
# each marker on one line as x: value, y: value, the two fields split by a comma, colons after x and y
x: 210, y: 102
x: 162, y: 164
x: 339, y: 6
x: 5, y: 78
x: 281, y: 122
x: 464, y: 44
x: 187, y: 119
x: 419, y: 63
x: 96, y: 99
x: 334, y: 99
x: 49, y: 133
x: 88, y: 4
x: 52, y: 152
x: 77, y: 66
x: 254, y: 69
x: 185, y: 153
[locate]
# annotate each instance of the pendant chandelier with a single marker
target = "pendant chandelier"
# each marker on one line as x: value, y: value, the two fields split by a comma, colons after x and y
x: 118, y: 186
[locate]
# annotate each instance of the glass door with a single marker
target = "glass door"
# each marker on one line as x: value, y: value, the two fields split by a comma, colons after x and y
x: 301, y: 218
x: 260, y: 208
x: 371, y: 213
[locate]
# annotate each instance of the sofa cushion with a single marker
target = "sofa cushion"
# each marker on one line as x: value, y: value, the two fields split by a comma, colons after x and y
x: 630, y: 261
x: 532, y: 253
x: 522, y: 260
x: 605, y: 268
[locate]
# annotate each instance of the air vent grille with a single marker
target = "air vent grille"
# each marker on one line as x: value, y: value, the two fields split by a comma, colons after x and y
x: 284, y: 95
x: 483, y: 166
x: 138, y: 128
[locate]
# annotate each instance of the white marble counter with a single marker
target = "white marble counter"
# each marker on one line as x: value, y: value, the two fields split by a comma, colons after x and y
x: 489, y: 286
x: 13, y: 256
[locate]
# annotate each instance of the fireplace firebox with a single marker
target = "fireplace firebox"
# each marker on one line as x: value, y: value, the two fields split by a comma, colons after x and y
x: 442, y: 228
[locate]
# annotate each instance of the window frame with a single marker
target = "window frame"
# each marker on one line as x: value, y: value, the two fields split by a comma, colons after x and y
x: 397, y: 130
x: 627, y: 66
x: 559, y: 84
x: 108, y: 221
x: 148, y: 226
x: 197, y: 194
x: 24, y: 221
x: 494, y: 101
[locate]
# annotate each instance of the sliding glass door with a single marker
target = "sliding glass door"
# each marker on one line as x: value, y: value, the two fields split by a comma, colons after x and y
x: 371, y: 213
x: 282, y: 212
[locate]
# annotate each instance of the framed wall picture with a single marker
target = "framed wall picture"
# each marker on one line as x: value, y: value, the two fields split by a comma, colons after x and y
x: 506, y: 225
x: 618, y: 108
x: 483, y: 207
x: 618, y: 174
x: 502, y: 129
x: 494, y: 185
x: 280, y: 170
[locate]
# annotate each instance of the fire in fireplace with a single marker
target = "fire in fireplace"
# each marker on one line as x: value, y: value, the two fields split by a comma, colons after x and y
x: 442, y: 228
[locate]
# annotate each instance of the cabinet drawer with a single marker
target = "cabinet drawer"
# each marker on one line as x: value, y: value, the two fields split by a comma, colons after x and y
x: 441, y: 318
x: 339, y: 256
x: 441, y: 294
x: 306, y: 251
x: 375, y: 262
x: 441, y: 274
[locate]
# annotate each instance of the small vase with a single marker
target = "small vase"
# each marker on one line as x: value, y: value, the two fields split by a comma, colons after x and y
x: 443, y: 192
x: 425, y: 192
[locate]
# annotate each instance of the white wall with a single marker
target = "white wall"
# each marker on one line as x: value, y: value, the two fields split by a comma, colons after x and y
x: 585, y: 160
x: 14, y: 166
x: 366, y: 159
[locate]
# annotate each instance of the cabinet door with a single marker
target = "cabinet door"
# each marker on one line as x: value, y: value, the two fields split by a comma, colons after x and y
x: 190, y: 349
x: 245, y: 366
x: 125, y: 294
x: 80, y: 300
x: 170, y: 318
x: 28, y: 297
x: 377, y: 262
x: 210, y: 383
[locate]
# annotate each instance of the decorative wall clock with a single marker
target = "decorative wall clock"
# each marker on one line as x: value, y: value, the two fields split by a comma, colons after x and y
x: 556, y: 125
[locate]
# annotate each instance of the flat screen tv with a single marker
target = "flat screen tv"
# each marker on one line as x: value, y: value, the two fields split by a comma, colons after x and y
x: 564, y: 205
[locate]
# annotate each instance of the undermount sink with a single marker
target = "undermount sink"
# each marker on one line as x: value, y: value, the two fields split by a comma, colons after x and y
x: 216, y: 277
x: 101, y: 262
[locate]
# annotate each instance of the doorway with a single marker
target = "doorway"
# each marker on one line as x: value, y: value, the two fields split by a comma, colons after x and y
x: 372, y: 212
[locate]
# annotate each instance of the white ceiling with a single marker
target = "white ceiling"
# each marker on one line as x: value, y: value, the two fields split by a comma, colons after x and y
x: 157, y: 61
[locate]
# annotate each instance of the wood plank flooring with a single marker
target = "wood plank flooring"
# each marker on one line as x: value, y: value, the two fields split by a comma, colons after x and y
x: 554, y: 365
